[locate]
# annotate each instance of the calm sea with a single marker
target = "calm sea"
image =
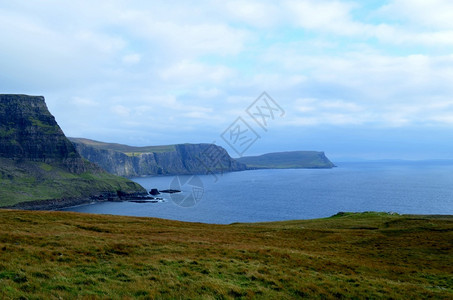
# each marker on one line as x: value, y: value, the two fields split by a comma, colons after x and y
x: 273, y: 195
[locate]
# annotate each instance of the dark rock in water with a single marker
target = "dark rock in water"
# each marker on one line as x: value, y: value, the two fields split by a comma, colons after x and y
x: 144, y: 201
x: 154, y: 192
x: 170, y: 191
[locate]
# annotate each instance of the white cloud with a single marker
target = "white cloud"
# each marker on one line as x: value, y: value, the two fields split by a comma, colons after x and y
x: 340, y: 105
x: 182, y: 38
x: 208, y: 92
x: 160, y: 66
x: 443, y: 118
x: 256, y: 13
x: 328, y: 16
x: 120, y: 111
x: 99, y: 42
x: 84, y: 102
x: 190, y: 71
x: 399, y: 36
x: 132, y: 59
x: 421, y: 13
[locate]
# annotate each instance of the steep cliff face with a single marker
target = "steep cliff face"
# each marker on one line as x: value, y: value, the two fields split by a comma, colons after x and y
x: 160, y: 160
x: 28, y: 131
x: 38, y: 162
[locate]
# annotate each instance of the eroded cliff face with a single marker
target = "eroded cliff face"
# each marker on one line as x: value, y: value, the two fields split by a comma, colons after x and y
x: 28, y: 131
x: 38, y: 162
x: 180, y: 159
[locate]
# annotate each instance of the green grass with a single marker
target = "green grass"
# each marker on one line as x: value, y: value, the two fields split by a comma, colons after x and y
x: 45, y: 128
x: 128, y: 150
x: 51, y: 255
x: 7, y: 133
x: 31, y: 181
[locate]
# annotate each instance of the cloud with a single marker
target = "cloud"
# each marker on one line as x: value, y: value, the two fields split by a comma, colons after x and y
x: 159, y: 66
x: 192, y: 71
x: 259, y: 14
x: 121, y: 111
x: 326, y: 16
x: 433, y: 14
x: 182, y: 36
x: 84, y: 102
x: 132, y: 59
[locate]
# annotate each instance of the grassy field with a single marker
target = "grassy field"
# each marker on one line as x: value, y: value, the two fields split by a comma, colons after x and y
x: 45, y: 255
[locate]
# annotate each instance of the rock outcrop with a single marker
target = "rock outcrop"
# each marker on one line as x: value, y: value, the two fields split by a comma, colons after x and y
x: 38, y: 162
x: 178, y: 159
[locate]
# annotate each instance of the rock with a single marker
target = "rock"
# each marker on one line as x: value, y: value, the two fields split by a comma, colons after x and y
x: 170, y: 191
x: 154, y: 192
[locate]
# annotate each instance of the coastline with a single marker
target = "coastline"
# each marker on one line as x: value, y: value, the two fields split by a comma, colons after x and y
x: 50, y: 204
x: 59, y: 204
x: 56, y: 204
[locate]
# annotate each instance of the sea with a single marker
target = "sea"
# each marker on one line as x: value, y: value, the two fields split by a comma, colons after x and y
x: 422, y: 187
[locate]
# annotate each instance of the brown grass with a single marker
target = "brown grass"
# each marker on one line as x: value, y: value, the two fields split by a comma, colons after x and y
x: 45, y: 255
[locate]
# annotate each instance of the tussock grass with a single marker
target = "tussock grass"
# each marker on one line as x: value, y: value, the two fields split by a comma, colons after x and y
x: 45, y: 255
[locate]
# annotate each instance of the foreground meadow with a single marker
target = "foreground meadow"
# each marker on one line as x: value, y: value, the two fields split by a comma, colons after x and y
x: 45, y: 255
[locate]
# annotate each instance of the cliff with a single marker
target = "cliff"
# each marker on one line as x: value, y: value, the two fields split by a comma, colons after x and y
x: 288, y: 160
x: 131, y: 161
x: 38, y: 162
x: 29, y: 132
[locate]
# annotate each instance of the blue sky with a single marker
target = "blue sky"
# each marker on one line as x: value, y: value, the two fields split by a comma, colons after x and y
x: 356, y: 79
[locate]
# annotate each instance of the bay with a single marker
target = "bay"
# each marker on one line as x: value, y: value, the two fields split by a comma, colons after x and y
x: 276, y: 195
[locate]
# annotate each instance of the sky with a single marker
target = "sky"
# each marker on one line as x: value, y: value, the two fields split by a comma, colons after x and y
x: 356, y: 79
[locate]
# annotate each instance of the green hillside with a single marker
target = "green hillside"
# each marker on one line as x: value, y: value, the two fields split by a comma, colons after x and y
x: 56, y: 255
x: 286, y: 160
x: 130, y: 150
x: 35, y: 181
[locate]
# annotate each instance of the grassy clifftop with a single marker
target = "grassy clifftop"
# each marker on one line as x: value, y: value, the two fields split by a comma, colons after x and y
x: 130, y: 150
x: 371, y: 255
x: 290, y: 159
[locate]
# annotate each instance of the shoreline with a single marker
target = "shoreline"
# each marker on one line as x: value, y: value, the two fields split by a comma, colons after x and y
x: 50, y: 204
x: 57, y: 204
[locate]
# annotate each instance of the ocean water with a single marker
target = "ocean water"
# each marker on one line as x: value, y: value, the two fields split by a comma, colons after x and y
x: 274, y: 195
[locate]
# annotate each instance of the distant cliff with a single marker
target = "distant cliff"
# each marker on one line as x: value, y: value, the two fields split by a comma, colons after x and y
x: 288, y: 160
x: 38, y: 162
x: 131, y: 161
